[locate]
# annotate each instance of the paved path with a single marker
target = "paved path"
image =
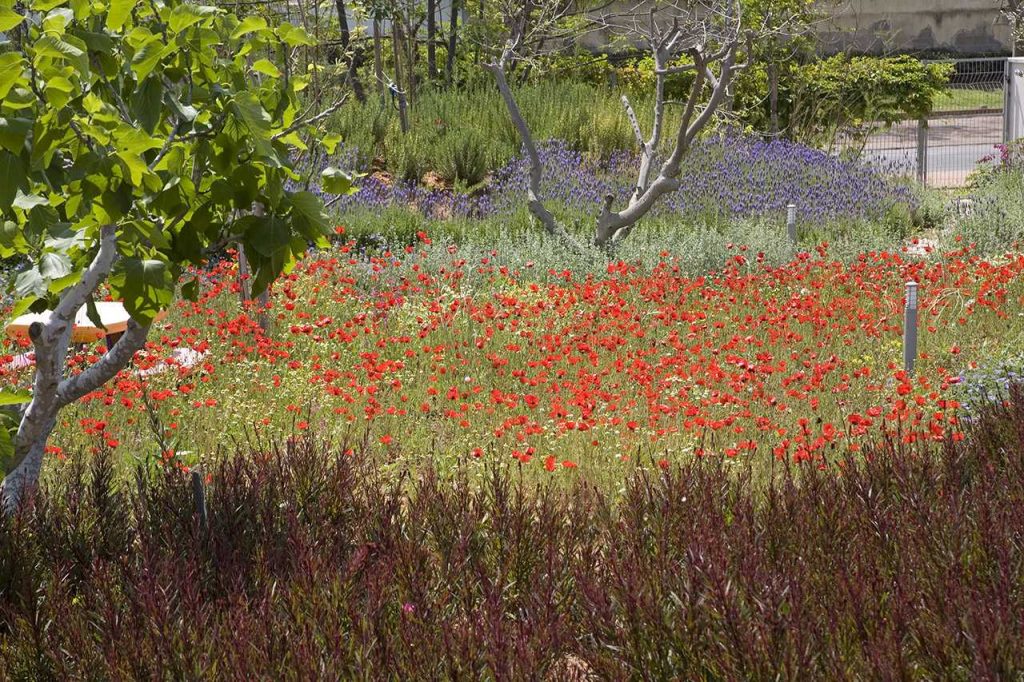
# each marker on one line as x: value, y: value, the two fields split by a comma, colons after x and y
x: 955, y: 146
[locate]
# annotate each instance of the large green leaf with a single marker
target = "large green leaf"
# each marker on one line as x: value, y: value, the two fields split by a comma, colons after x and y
x: 23, y: 305
x: 13, y: 133
x: 12, y: 67
x: 57, y: 21
x: 27, y: 202
x: 14, y: 398
x: 190, y: 290
x: 310, y: 219
x: 137, y: 168
x: 337, y: 181
x: 44, y: 220
x: 46, y: 5
x: 149, y: 55
x: 186, y: 244
x: 58, y: 91
x: 267, y: 68
x: 58, y: 285
x: 248, y: 25
x: 9, y: 19
x: 309, y: 206
x: 54, y: 265
x: 145, y: 286
x: 251, y: 111
x: 12, y: 173
x: 187, y: 14
x: 330, y: 142
x: 12, y: 239
x: 55, y: 48
x: 30, y: 283
x: 96, y: 42
x: 147, y: 103
x: 267, y: 235
x: 294, y: 36
x: 186, y: 113
x: 118, y: 13
x: 267, y: 268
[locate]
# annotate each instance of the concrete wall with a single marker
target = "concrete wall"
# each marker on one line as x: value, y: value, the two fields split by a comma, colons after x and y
x: 959, y: 27
x: 965, y: 27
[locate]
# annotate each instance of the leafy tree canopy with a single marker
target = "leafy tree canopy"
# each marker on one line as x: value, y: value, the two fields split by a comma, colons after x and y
x: 169, y: 120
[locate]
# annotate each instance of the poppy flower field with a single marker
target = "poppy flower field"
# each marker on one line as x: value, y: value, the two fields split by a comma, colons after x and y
x: 601, y: 344
x: 433, y: 354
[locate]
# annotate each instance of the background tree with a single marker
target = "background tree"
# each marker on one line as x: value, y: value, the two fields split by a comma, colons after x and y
x: 705, y: 37
x: 453, y: 41
x: 1013, y: 10
x: 352, y: 55
x: 136, y: 140
x: 431, y: 38
x: 788, y: 35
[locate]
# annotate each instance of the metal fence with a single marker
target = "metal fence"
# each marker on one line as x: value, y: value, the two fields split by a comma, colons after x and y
x: 963, y: 129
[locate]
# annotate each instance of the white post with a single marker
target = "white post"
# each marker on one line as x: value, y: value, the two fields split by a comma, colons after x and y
x: 791, y: 222
x: 1013, y: 112
x: 910, y: 329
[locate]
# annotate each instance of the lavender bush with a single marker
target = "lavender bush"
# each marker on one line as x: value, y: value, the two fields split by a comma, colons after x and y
x: 725, y: 177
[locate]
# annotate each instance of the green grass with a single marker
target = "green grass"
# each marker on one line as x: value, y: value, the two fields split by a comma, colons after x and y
x: 956, y: 99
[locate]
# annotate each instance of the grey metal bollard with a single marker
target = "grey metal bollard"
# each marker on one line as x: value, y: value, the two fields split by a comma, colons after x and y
x: 199, y: 497
x: 910, y: 329
x: 791, y: 222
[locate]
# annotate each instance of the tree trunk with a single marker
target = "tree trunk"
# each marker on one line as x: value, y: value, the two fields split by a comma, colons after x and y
x: 480, y: 16
x: 431, y: 36
x: 536, y: 204
x: 243, y: 277
x: 350, y: 55
x: 378, y: 63
x: 411, y: 52
x: 773, y: 97
x: 453, y: 39
x: 346, y: 36
x: 396, y: 49
x: 614, y: 226
x: 51, y: 391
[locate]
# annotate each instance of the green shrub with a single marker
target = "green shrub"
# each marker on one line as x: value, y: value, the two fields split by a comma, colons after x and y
x: 455, y: 131
x: 404, y: 154
x: 995, y: 222
x: 857, y: 93
x: 462, y: 134
x: 463, y: 158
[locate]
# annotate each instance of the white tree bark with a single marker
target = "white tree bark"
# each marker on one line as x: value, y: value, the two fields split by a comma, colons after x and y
x: 51, y: 391
x: 614, y: 226
x: 719, y: 24
x: 536, y: 204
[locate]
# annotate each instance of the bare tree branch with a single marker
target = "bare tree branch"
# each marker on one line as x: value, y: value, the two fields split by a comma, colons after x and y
x: 106, y: 368
x: 703, y: 36
x: 299, y: 125
x: 537, y: 207
x: 51, y: 340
